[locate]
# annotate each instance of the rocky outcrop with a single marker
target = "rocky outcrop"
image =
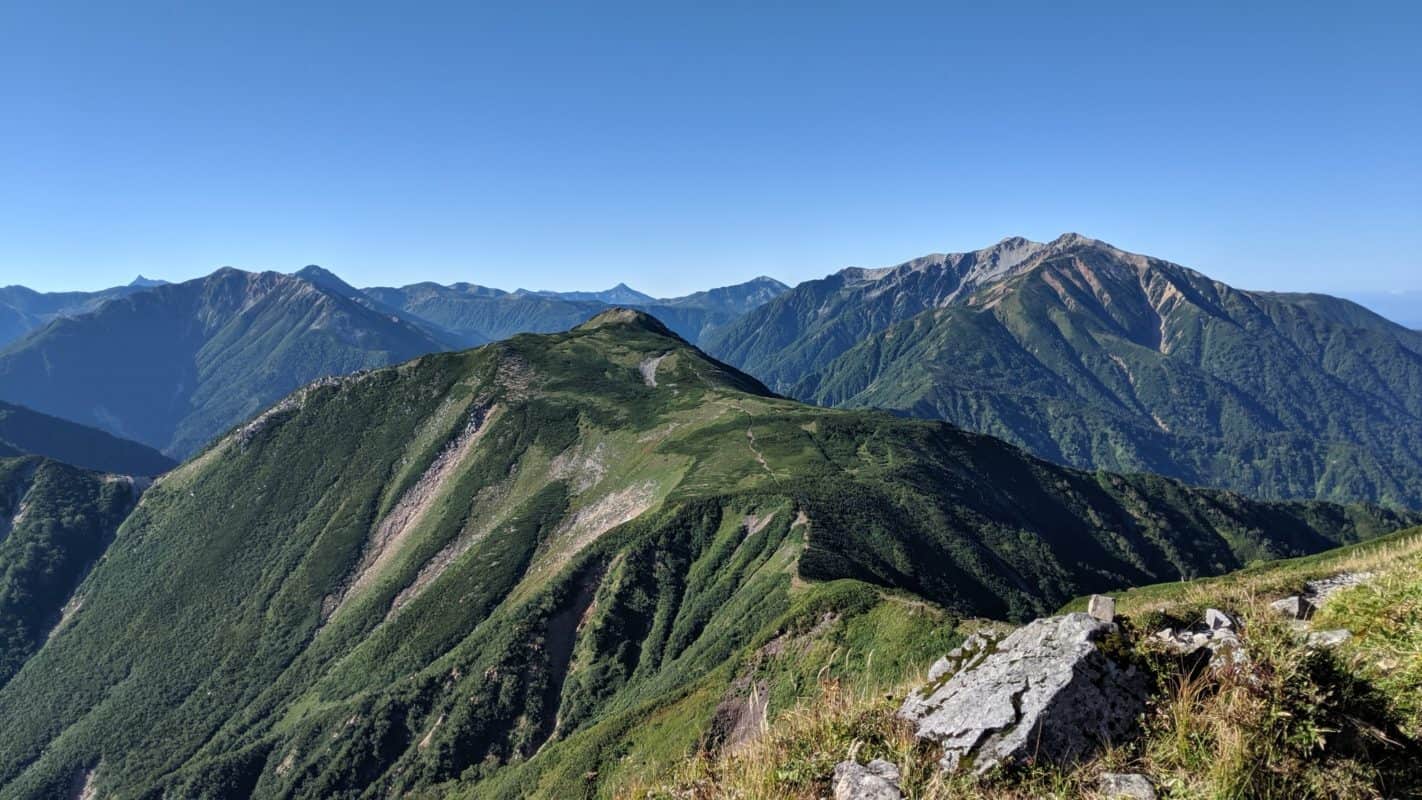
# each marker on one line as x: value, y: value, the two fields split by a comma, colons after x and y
x: 1301, y: 606
x: 1048, y: 691
x: 879, y: 780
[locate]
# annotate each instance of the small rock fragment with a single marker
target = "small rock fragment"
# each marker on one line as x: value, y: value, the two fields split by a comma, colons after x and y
x: 877, y: 781
x: 1216, y: 619
x: 1331, y: 638
x: 1129, y: 785
x: 1294, y: 607
x: 1102, y: 607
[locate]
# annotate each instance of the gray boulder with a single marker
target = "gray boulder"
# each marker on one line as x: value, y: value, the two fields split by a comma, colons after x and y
x: 1217, y: 620
x: 1294, y: 607
x: 1045, y: 692
x: 1102, y: 607
x: 879, y: 780
x: 1125, y: 786
x: 1219, y: 634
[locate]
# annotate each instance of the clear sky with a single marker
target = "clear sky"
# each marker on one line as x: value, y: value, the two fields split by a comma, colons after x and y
x: 676, y: 146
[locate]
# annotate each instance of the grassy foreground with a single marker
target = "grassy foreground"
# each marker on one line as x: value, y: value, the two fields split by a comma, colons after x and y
x: 1292, y: 722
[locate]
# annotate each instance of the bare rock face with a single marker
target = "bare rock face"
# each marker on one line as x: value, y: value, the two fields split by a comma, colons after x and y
x: 1045, y: 692
x: 879, y: 780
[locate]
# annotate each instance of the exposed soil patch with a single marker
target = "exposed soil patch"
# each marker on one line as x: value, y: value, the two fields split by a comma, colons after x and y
x: 741, y: 714
x: 591, y: 521
x: 648, y: 368
x: 755, y: 524
x: 385, y: 541
x: 491, y: 498
x: 84, y: 786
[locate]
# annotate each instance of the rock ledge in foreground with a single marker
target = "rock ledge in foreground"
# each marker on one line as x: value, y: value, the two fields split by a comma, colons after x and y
x: 1045, y: 692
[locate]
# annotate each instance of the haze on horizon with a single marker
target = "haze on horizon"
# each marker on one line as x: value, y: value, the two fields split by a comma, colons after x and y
x: 676, y: 149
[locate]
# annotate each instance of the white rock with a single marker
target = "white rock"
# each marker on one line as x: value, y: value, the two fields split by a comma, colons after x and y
x: 940, y: 668
x: 1129, y: 785
x: 1326, y: 639
x: 1046, y: 692
x: 1216, y: 619
x: 879, y: 780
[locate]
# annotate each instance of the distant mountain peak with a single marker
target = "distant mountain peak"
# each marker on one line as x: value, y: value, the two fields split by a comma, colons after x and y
x: 325, y: 279
x: 146, y: 283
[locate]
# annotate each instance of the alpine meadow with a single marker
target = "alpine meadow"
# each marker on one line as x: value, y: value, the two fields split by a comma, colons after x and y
x: 642, y: 401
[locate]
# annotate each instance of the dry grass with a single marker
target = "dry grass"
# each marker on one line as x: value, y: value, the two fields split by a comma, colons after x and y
x: 1290, y: 723
x: 1385, y: 616
x: 1273, y: 580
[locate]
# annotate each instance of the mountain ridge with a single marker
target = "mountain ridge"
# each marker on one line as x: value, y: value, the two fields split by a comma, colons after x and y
x: 1095, y: 357
x: 498, y: 571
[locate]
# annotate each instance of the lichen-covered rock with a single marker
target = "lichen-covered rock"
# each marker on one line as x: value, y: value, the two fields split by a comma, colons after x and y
x: 1125, y: 786
x: 1102, y: 607
x: 1045, y: 692
x: 879, y: 780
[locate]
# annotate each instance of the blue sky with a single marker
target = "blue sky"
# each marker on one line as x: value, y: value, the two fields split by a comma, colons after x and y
x: 675, y: 146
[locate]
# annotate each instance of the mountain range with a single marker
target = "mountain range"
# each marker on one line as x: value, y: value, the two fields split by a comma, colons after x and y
x: 174, y: 365
x: 22, y: 309
x: 1098, y: 358
x: 548, y: 566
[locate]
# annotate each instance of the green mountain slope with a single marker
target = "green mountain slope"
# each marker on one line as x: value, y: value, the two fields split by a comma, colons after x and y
x: 173, y: 366
x: 55, y: 523
x: 23, y: 431
x: 1098, y: 358
x: 534, y: 568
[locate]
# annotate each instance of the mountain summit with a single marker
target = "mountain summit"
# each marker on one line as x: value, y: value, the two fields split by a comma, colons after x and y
x: 1100, y: 358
